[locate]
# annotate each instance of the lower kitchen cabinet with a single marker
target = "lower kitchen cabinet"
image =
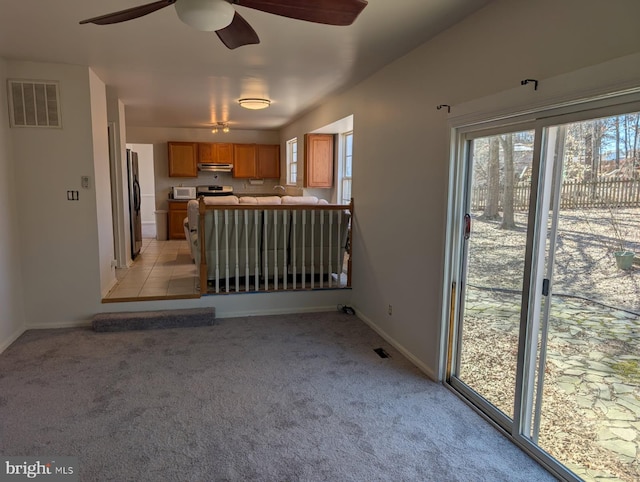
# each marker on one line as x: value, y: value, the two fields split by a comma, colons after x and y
x: 177, y: 213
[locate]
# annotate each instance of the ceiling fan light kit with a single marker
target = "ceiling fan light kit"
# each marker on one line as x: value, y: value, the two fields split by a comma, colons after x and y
x: 254, y: 103
x: 232, y: 29
x: 205, y: 15
x: 220, y: 126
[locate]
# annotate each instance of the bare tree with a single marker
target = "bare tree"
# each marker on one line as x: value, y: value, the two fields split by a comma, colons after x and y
x: 491, y: 211
x: 508, y: 219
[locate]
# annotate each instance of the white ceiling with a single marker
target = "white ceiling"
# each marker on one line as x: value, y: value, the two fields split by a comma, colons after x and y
x: 170, y: 75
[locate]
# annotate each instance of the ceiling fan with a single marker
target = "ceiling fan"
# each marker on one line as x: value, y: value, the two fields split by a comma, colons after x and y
x: 231, y: 28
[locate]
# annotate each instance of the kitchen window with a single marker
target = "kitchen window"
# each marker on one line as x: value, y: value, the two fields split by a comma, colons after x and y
x: 347, y: 158
x: 292, y: 161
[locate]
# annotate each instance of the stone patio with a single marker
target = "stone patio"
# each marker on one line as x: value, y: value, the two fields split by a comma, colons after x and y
x: 592, y: 380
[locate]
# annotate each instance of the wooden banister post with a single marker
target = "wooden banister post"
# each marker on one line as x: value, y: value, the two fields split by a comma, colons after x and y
x: 202, y: 209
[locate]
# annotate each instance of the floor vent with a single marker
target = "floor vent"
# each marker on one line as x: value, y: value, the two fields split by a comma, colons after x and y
x: 381, y: 353
x: 34, y: 103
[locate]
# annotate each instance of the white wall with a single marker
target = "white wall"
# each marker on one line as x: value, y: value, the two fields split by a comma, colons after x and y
x: 59, y: 256
x: 12, y: 319
x: 119, y: 187
x: 102, y: 182
x: 401, y: 143
x: 159, y: 137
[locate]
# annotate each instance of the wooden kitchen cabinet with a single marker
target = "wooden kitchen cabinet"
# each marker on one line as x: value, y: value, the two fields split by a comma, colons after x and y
x: 244, y: 161
x: 177, y: 213
x: 183, y: 159
x: 256, y: 161
x: 318, y: 160
x: 268, y: 161
x: 218, y: 152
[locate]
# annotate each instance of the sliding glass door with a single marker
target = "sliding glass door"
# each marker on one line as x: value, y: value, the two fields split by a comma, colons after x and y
x: 545, y: 308
x: 498, y: 189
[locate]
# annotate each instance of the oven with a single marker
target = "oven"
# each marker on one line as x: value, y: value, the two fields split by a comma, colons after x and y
x: 214, y: 190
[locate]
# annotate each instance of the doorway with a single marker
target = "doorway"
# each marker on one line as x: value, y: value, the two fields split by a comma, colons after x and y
x: 545, y: 322
x: 147, y: 188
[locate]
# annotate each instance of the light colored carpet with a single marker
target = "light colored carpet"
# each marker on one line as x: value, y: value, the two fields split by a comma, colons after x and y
x: 277, y: 398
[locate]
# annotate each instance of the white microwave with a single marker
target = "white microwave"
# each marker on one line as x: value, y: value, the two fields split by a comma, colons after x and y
x: 184, y: 192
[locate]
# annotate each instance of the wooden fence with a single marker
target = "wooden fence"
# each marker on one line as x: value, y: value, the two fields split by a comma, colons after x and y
x: 574, y: 194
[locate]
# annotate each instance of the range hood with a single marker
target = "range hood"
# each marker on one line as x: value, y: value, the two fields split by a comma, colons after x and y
x: 214, y: 167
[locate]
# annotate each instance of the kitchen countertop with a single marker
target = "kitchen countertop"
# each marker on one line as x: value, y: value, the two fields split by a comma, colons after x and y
x: 258, y: 194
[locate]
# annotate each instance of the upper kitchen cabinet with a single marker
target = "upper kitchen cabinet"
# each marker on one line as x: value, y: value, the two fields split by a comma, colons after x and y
x: 268, y: 161
x: 183, y: 159
x: 256, y: 161
x: 216, y: 152
x: 244, y: 161
x: 318, y: 160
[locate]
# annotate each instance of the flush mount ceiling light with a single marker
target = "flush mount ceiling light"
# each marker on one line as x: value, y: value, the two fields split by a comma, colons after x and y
x: 254, y: 103
x: 220, y: 126
x: 205, y: 15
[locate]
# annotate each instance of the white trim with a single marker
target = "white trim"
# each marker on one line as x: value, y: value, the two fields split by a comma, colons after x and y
x: 120, y: 250
x: 398, y: 346
x: 228, y: 306
x: 290, y: 161
x: 60, y: 324
x: 342, y: 167
x: 7, y: 343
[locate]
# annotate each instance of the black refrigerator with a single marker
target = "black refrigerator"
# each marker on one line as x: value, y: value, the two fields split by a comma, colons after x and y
x: 134, y: 203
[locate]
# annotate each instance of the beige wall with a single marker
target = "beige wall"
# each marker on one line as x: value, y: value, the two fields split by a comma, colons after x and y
x: 12, y: 319
x: 401, y: 143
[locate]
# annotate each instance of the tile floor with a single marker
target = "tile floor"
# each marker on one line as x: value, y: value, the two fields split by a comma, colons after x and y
x: 162, y: 269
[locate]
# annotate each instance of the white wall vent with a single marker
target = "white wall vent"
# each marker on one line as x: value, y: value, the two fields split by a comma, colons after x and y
x: 34, y: 103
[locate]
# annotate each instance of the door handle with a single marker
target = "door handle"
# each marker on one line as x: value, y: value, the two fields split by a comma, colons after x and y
x: 467, y: 226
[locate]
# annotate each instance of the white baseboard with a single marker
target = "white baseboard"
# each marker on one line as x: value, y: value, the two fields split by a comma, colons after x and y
x: 61, y: 324
x: 398, y: 346
x: 6, y: 343
x: 233, y: 314
x: 113, y: 282
x: 277, y: 311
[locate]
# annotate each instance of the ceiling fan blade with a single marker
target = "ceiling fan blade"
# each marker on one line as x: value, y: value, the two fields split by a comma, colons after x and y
x: 129, y: 13
x: 329, y: 12
x: 238, y: 33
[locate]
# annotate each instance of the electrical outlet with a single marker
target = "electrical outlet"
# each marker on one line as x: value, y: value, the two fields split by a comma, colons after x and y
x: 84, y: 181
x: 390, y: 310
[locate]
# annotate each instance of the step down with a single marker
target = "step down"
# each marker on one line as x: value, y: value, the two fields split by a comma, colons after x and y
x: 150, y: 320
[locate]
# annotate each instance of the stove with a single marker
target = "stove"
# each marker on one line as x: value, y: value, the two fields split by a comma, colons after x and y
x: 214, y: 190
